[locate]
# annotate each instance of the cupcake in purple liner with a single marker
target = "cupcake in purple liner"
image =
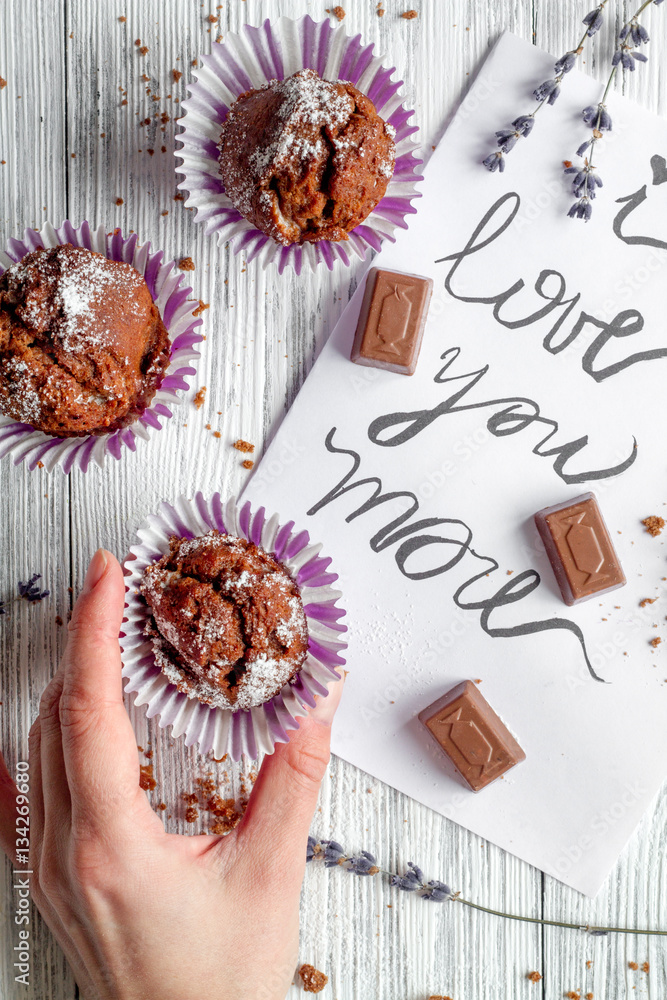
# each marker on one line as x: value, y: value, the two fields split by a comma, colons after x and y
x: 96, y: 336
x: 305, y: 127
x: 232, y: 625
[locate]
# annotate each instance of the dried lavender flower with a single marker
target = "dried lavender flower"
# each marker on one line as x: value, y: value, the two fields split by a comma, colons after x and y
x: 494, y: 161
x: 597, y: 118
x: 437, y: 892
x: 593, y: 21
x: 364, y: 864
x: 30, y: 591
x: 3, y: 610
x: 311, y: 849
x: 333, y: 853
x: 546, y: 93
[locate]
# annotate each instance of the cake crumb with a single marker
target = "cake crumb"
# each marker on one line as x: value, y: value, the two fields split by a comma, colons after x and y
x: 179, y: 196
x: 654, y: 524
x: 143, y: 49
x: 3, y: 83
x: 59, y: 621
x: 573, y: 995
x: 589, y: 963
x: 191, y: 814
x: 242, y: 445
x: 646, y: 967
x: 162, y: 806
x: 338, y: 12
x: 633, y: 965
x: 655, y: 642
x: 146, y: 779
x: 200, y: 396
x: 122, y: 19
x: 380, y: 10
x: 313, y: 980
x: 200, y: 308
x: 119, y: 201
x: 409, y: 15
x: 647, y: 600
x: 247, y: 463
x: 589, y: 996
x: 186, y: 264
x: 534, y: 977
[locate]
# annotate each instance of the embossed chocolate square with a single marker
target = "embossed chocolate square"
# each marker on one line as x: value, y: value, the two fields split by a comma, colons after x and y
x: 580, y: 549
x: 473, y: 736
x: 391, y: 322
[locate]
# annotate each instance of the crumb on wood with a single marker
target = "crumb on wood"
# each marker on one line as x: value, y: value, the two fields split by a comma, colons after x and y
x: 146, y: 779
x: 217, y: 434
x: 59, y: 621
x: 380, y: 10
x: 242, y: 445
x: 176, y: 74
x: 409, y: 15
x: 633, y: 965
x: 573, y: 995
x: 247, y: 463
x: 191, y: 814
x: 654, y: 524
x: 143, y: 50
x: 122, y: 19
x: 119, y: 201
x: 337, y: 12
x: 200, y: 308
x: 3, y: 83
x: 646, y: 967
x: 186, y: 264
x: 313, y: 980
x: 199, y: 398
x: 179, y: 196
x: 534, y: 977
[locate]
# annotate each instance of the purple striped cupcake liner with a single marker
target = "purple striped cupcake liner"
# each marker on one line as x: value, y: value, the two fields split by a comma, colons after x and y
x: 250, y: 59
x: 176, y: 306
x: 258, y: 730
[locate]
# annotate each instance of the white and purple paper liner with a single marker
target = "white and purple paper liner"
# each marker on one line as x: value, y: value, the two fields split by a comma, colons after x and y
x: 174, y: 301
x: 243, y: 733
x: 274, y: 51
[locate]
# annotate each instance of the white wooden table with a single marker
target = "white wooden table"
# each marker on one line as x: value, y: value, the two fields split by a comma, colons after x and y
x: 70, y: 146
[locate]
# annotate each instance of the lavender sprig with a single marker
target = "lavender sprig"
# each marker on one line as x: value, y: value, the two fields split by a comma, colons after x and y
x: 597, y: 118
x: 546, y: 93
x: 28, y: 591
x: 413, y: 880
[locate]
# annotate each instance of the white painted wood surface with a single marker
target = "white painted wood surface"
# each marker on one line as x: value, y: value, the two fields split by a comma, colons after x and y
x: 68, y: 64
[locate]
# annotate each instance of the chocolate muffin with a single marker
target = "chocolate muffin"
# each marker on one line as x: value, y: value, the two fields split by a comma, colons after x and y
x: 304, y: 159
x: 83, y: 348
x: 228, y: 625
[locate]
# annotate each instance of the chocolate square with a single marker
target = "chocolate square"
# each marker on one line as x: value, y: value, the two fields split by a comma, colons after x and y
x: 391, y: 322
x: 473, y: 736
x: 580, y: 549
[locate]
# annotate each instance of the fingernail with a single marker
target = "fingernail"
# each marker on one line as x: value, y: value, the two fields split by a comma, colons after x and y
x: 326, y: 707
x: 95, y: 572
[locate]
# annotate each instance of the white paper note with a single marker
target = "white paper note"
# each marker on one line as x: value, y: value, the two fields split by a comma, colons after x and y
x: 529, y: 325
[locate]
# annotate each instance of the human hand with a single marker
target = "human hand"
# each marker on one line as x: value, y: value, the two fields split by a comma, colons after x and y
x: 142, y: 914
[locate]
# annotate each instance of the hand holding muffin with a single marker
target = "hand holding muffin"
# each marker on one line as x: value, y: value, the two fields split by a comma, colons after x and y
x: 115, y: 888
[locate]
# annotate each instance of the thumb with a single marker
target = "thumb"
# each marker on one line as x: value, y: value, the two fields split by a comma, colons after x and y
x: 283, y: 800
x: 98, y: 741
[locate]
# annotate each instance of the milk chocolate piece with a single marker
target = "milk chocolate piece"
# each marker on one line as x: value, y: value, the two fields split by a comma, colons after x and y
x: 475, y: 739
x: 391, y: 322
x: 580, y: 550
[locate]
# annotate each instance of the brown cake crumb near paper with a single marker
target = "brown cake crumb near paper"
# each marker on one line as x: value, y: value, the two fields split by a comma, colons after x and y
x: 474, y: 737
x: 228, y: 625
x: 580, y: 549
x: 305, y: 159
x: 83, y: 348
